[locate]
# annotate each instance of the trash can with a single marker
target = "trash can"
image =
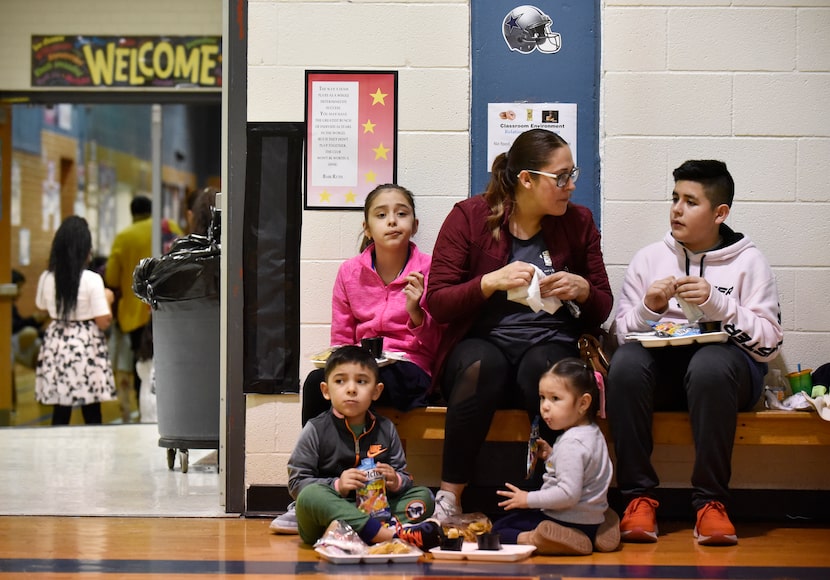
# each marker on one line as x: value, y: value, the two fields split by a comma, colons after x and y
x: 182, y: 287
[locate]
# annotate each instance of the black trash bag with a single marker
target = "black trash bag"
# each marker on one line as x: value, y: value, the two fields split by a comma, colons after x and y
x: 190, y: 270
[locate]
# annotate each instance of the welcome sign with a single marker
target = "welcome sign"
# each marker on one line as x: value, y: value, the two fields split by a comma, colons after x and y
x: 127, y: 61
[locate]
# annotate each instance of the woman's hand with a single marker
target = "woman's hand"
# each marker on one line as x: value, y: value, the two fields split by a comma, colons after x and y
x: 513, y: 275
x: 414, y: 290
x: 390, y: 476
x: 693, y: 289
x: 516, y: 498
x: 350, y: 480
x: 659, y: 293
x: 565, y: 286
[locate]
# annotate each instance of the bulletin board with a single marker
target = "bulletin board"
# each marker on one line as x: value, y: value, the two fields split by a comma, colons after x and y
x: 537, y: 56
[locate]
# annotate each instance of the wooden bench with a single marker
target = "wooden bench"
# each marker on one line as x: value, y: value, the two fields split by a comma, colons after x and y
x: 670, y: 428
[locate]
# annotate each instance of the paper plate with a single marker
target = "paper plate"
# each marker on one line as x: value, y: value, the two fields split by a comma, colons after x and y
x: 651, y: 341
x: 470, y: 551
x: 389, y: 357
x: 337, y: 558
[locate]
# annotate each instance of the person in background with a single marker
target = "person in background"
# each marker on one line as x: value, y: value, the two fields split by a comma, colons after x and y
x: 494, y: 350
x: 73, y: 369
x: 380, y: 293
x: 722, y: 275
x: 131, y: 245
x: 27, y: 331
x: 567, y: 516
x: 200, y: 203
x: 323, y: 474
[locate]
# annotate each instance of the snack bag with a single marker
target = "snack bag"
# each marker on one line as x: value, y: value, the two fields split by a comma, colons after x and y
x: 371, y: 498
x: 533, y: 448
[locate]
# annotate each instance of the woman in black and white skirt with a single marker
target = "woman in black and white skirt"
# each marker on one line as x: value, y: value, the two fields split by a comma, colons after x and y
x: 73, y: 369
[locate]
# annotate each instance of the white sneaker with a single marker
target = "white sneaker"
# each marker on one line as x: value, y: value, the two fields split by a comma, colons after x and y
x: 287, y: 522
x: 446, y: 506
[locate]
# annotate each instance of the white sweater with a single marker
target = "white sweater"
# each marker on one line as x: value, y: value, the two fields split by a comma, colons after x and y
x: 744, y: 296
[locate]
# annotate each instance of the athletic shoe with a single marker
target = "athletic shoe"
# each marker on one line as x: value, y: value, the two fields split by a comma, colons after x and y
x: 639, y: 522
x: 287, y: 522
x: 713, y: 527
x: 424, y: 535
x: 608, y: 533
x: 552, y: 539
x: 446, y: 506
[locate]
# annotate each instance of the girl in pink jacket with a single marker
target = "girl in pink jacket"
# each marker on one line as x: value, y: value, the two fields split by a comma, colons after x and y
x: 380, y: 293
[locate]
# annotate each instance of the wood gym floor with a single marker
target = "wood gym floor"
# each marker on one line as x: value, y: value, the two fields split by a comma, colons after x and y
x: 100, y: 502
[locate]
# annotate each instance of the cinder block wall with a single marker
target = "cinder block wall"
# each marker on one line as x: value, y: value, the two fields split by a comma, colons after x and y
x: 743, y: 81
x: 428, y: 44
x: 740, y: 80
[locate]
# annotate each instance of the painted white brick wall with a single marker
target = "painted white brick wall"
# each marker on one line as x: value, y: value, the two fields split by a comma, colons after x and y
x: 744, y: 81
x: 428, y: 44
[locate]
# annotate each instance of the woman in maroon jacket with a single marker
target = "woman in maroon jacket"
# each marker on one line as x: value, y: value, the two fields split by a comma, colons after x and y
x: 494, y: 350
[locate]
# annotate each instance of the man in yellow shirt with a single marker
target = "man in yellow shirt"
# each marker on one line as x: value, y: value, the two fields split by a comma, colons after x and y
x: 130, y: 246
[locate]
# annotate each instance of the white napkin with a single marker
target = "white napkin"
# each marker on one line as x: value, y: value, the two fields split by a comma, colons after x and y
x: 692, y: 311
x: 531, y: 295
x: 822, y: 405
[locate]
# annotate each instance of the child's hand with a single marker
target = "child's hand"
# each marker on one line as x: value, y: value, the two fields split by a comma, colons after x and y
x: 693, y: 289
x: 350, y: 480
x: 414, y: 290
x: 516, y: 498
x: 659, y: 293
x: 543, y: 449
x: 390, y: 476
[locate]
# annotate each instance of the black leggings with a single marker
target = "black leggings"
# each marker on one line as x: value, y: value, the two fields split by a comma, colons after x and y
x: 478, y: 379
x: 61, y: 414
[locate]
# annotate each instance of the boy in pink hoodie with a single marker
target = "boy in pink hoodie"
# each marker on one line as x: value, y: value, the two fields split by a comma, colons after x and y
x: 703, y: 262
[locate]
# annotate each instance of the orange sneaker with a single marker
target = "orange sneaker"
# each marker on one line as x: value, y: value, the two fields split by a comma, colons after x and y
x: 713, y: 527
x: 639, y: 522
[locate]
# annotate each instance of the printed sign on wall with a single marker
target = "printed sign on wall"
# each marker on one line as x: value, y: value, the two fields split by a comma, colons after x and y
x: 127, y: 61
x: 351, y: 121
x: 506, y: 121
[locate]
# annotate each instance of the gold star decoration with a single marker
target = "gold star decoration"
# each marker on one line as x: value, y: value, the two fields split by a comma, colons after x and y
x: 325, y: 196
x: 371, y: 176
x: 368, y: 126
x: 350, y: 197
x: 380, y: 151
x: 377, y: 97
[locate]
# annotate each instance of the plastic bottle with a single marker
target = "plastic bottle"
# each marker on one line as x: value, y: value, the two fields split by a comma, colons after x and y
x: 779, y: 385
x: 371, y: 498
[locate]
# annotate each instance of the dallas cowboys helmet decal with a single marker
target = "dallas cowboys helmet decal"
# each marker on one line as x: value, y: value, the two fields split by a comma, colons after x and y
x: 526, y: 28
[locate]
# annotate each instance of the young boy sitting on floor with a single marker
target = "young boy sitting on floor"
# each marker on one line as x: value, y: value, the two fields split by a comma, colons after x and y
x: 323, y: 474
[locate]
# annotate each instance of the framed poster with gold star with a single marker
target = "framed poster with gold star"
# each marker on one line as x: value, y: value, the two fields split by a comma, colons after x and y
x: 351, y: 136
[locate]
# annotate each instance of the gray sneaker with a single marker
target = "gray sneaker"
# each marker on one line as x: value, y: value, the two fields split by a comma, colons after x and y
x: 287, y: 522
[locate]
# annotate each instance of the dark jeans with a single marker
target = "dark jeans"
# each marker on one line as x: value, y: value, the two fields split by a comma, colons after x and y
x: 712, y: 381
x: 515, y: 522
x: 405, y: 387
x: 479, y: 379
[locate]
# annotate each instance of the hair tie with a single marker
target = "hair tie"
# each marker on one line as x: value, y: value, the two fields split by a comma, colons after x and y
x: 601, y: 388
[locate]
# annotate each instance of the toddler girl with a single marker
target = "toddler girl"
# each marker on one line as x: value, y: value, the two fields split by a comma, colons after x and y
x: 569, y: 515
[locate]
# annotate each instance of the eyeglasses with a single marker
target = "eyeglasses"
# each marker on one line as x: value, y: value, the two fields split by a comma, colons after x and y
x: 562, y: 179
